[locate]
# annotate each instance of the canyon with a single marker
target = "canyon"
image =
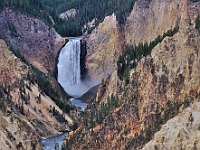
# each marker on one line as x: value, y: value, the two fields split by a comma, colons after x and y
x: 157, y: 109
x: 26, y: 110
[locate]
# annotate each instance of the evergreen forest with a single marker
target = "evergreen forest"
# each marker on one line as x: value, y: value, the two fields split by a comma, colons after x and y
x: 86, y: 10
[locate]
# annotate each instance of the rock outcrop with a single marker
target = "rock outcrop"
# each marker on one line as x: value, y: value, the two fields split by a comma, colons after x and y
x: 69, y: 13
x: 36, y: 41
x: 180, y: 132
x: 103, y: 48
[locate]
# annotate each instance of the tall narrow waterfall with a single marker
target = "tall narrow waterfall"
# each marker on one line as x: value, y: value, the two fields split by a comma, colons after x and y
x: 69, y: 63
x: 69, y: 68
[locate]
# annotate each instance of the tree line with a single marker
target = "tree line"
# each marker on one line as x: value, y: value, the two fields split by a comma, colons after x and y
x: 132, y: 54
x: 35, y: 76
x: 87, y: 10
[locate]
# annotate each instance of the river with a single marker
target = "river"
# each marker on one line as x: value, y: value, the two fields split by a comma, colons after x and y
x: 52, y: 142
x: 69, y: 76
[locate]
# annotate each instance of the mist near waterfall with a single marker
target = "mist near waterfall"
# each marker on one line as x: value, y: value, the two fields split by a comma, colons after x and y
x: 69, y: 74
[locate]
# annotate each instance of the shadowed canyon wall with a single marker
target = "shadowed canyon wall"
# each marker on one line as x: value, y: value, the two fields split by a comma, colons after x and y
x: 35, y: 40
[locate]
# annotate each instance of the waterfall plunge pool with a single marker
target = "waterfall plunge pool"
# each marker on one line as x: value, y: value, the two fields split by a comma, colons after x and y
x: 69, y: 72
x: 78, y: 103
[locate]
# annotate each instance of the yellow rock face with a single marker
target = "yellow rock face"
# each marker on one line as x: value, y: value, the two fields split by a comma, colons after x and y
x: 150, y: 19
x: 103, y: 46
x: 179, y: 132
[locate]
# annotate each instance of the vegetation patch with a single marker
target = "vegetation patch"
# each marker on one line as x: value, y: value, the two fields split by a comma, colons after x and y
x: 35, y: 76
x: 94, y: 117
x: 132, y: 54
x: 198, y: 23
x: 87, y: 10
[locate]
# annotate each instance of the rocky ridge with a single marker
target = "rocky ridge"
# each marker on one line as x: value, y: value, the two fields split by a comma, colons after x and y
x: 67, y: 14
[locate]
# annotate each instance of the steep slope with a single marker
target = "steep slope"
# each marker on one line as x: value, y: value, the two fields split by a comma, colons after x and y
x: 11, y: 69
x: 27, y: 113
x: 36, y: 41
x: 126, y: 116
x: 15, y: 134
x: 150, y: 19
x: 147, y: 21
x: 181, y: 131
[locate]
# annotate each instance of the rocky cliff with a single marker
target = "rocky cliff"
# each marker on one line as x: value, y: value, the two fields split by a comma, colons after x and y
x: 103, y: 47
x: 35, y: 40
x: 149, y: 19
x: 180, y: 132
x: 126, y: 116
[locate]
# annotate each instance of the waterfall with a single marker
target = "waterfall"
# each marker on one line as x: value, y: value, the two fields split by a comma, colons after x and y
x: 69, y: 74
x: 69, y: 63
x: 69, y: 69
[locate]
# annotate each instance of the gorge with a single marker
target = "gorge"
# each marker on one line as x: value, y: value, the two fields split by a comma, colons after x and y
x: 69, y: 76
x: 147, y: 71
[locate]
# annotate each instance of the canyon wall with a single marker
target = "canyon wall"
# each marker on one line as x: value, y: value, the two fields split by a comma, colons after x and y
x: 35, y: 40
x: 103, y: 48
x: 161, y: 86
x: 25, y: 110
x: 151, y: 18
x: 147, y: 20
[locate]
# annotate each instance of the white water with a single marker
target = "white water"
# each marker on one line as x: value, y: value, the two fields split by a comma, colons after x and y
x: 69, y: 69
x: 69, y: 75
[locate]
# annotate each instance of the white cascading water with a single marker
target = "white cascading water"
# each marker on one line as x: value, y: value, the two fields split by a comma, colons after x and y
x: 69, y: 74
x: 69, y: 63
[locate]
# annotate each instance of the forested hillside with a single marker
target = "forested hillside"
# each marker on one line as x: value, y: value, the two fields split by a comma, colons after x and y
x: 86, y: 11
